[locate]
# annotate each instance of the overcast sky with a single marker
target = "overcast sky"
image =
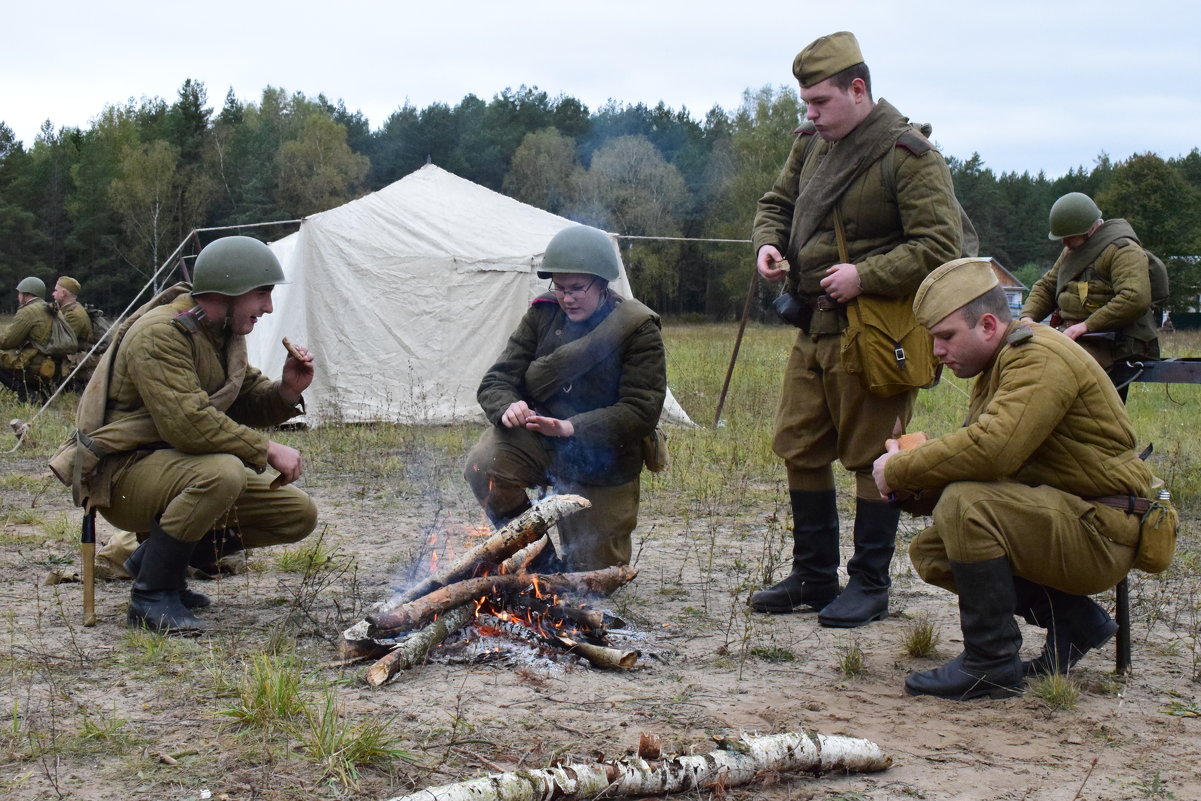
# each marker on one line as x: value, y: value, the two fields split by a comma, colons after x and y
x: 1030, y: 86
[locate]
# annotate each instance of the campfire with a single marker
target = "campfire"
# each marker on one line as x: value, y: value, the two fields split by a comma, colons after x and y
x: 489, y: 591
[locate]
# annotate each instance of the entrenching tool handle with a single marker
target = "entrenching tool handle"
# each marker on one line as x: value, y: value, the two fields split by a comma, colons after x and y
x: 87, y: 553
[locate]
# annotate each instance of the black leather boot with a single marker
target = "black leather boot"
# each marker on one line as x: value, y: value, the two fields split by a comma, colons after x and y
x: 1075, y: 625
x: 814, y: 578
x: 154, y: 598
x: 865, y: 598
x: 189, y: 598
x: 989, y: 664
x: 211, y: 549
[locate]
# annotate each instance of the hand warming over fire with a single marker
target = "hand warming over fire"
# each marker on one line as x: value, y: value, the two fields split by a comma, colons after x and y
x: 550, y: 426
x: 516, y: 415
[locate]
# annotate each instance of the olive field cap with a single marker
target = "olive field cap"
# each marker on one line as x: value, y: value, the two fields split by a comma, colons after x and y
x: 581, y: 249
x: 826, y: 57
x: 234, y: 265
x: 32, y: 285
x: 70, y: 284
x: 1073, y: 215
x: 951, y: 287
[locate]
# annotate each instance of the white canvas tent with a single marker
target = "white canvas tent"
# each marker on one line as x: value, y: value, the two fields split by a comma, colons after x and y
x: 406, y: 297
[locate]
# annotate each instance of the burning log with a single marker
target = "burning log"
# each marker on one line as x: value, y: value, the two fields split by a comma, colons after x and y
x: 593, y: 622
x: 737, y: 763
x: 600, y: 656
x: 519, y: 532
x: 414, y: 614
x: 527, y: 528
x: 414, y: 648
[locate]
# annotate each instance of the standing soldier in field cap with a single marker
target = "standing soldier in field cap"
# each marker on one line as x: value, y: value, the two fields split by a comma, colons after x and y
x: 66, y: 296
x: 580, y: 383
x: 1099, y: 284
x: 23, y: 367
x: 172, y: 423
x: 1036, y: 498
x: 861, y: 180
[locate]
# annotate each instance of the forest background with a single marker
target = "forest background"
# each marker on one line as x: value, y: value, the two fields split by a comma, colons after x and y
x: 109, y: 203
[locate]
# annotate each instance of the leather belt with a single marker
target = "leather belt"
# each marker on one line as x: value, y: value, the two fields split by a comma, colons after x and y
x: 1131, y: 504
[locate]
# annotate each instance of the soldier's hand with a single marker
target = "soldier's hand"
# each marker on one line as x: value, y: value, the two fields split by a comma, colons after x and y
x: 842, y: 282
x: 516, y: 415
x: 767, y: 263
x: 550, y: 426
x: 891, y: 446
x: 1075, y: 331
x: 286, y: 460
x: 297, y: 374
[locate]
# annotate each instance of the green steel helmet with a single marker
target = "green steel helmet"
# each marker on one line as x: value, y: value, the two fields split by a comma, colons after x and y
x: 1073, y: 215
x: 32, y: 286
x: 234, y: 265
x: 580, y: 249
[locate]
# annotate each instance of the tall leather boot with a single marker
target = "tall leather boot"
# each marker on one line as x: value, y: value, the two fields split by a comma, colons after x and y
x: 188, y: 597
x: 154, y: 598
x: 1075, y: 625
x: 865, y: 598
x: 990, y: 664
x: 814, y: 578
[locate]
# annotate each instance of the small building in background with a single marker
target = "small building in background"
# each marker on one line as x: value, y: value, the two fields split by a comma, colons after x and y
x: 1015, y: 290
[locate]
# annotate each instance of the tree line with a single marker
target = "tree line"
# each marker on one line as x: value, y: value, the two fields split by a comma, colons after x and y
x: 107, y: 204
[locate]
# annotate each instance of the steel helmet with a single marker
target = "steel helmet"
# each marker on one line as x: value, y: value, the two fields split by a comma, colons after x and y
x: 1073, y: 215
x: 234, y: 265
x: 32, y: 286
x: 580, y: 249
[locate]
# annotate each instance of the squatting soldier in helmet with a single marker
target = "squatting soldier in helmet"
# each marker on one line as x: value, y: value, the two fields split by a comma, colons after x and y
x: 1029, y: 517
x: 1100, y: 284
x: 580, y: 383
x: 23, y: 367
x: 859, y: 179
x: 180, y: 457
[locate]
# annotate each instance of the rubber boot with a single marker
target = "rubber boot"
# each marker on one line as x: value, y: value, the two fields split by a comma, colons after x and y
x: 1075, y: 625
x: 189, y: 598
x: 865, y: 598
x: 154, y: 599
x: 814, y: 578
x: 990, y: 664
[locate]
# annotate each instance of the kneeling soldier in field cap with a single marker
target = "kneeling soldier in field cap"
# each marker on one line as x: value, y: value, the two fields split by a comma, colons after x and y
x: 180, y: 458
x: 1022, y: 523
x: 66, y: 296
x: 581, y: 382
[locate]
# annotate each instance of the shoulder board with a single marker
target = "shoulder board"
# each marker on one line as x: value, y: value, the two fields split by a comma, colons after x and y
x: 548, y: 297
x: 1019, y: 335
x: 1123, y: 242
x: 914, y: 142
x: 807, y: 128
x: 189, y: 321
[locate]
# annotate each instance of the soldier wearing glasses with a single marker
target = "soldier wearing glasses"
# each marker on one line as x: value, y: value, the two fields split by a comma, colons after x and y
x: 580, y: 383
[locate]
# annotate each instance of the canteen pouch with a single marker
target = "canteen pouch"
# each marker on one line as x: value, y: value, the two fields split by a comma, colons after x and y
x: 654, y: 451
x: 1157, y: 537
x: 885, y: 345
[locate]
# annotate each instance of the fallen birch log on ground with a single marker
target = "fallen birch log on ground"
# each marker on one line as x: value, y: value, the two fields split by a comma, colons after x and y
x: 412, y: 615
x: 415, y: 647
x: 735, y: 765
x: 526, y: 528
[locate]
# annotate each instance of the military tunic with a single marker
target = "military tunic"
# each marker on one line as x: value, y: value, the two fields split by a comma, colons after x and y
x: 894, y: 238
x: 1111, y: 294
x: 77, y: 317
x: 1045, y: 431
x: 23, y: 368
x: 612, y: 406
x: 202, y: 467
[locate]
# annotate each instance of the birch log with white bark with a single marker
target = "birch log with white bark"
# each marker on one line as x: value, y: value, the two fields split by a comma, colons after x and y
x: 413, y: 649
x: 731, y: 767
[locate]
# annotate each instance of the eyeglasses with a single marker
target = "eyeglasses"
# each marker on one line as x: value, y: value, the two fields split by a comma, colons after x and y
x: 573, y: 292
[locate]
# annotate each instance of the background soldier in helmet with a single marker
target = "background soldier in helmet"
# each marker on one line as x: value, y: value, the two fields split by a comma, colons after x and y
x: 1100, y: 284
x: 834, y: 187
x: 580, y: 383
x: 181, y: 400
x: 23, y: 367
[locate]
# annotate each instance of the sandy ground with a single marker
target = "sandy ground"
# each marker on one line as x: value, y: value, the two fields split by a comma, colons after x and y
x: 708, y: 668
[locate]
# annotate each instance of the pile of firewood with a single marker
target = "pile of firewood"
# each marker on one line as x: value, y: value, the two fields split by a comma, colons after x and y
x: 490, y: 587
